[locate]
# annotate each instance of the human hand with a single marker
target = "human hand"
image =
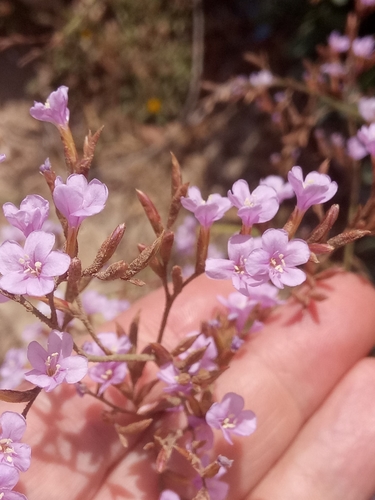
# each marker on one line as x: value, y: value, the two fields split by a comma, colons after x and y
x: 308, y: 382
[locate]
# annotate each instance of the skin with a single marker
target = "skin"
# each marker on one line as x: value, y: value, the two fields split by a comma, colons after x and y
x: 307, y: 379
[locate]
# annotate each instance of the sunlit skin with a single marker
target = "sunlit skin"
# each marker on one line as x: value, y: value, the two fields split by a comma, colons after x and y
x: 306, y: 378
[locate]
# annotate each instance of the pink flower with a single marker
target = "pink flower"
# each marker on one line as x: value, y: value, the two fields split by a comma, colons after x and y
x: 169, y: 495
x: 316, y: 188
x: 259, y: 206
x: 55, y: 110
x: 333, y: 69
x: 12, y: 451
x: 94, y: 302
x: 283, y: 189
x: 31, y: 270
x: 338, y: 42
x: 8, y: 479
x: 201, y: 432
x: 207, y: 212
x: 108, y: 373
x: 277, y: 258
x: 366, y: 106
x: 367, y: 137
x: 239, y: 308
x: 207, y: 361
x: 263, y: 78
x: 12, y: 370
x: 239, y: 248
x: 363, y: 47
x: 230, y: 417
x: 110, y: 340
x: 30, y: 216
x: 355, y: 148
x: 55, y: 365
x: 186, y: 235
x: 2, y: 157
x: 77, y: 199
x: 169, y: 374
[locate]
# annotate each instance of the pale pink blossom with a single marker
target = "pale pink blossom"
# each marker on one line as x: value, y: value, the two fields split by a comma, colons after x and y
x: 207, y: 212
x: 262, y: 78
x: 355, y: 148
x: 55, y: 365
x: 230, y: 417
x: 259, y: 206
x: 12, y: 451
x: 31, y: 270
x: 277, y: 259
x: 108, y: 373
x: 8, y: 479
x: 315, y: 189
x: 283, y: 189
x: 78, y: 199
x: 55, y: 110
x: 366, y: 106
x: 94, y: 302
x: 367, y: 137
x: 207, y: 361
x: 169, y: 374
x: 333, y: 69
x: 31, y: 215
x: 364, y: 46
x: 338, y: 43
x: 169, y: 495
x: 12, y: 369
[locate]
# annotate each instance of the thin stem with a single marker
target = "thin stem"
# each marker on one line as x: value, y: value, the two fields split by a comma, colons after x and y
x: 31, y: 402
x: 108, y: 403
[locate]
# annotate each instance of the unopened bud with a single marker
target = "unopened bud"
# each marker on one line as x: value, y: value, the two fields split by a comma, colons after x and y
x: 151, y: 212
x: 175, y: 206
x: 347, y: 237
x: 321, y: 231
x: 113, y: 272
x: 106, y: 250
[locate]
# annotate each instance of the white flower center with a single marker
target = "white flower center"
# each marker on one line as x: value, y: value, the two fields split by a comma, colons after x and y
x: 108, y: 374
x: 7, y: 450
x: 30, y: 268
x: 51, y: 364
x: 249, y: 202
x: 278, y: 262
x: 47, y: 104
x: 229, y: 422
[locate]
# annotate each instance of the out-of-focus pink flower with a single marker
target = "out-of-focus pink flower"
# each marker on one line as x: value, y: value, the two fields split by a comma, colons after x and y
x: 207, y: 212
x: 11, y: 233
x: 239, y: 248
x: 316, y: 188
x: 207, y: 361
x: 259, y: 206
x: 355, y: 148
x: 334, y: 69
x: 110, y: 340
x: 12, y: 370
x: 367, y: 136
x: 239, y: 308
x: 45, y: 167
x: 55, y: 110
x: 185, y: 236
x: 108, y: 373
x: 78, y: 199
x: 263, y: 78
x: 31, y: 270
x: 337, y: 140
x: 55, y: 365
x: 169, y: 374
x: 363, y: 47
x: 94, y: 302
x: 277, y: 259
x: 169, y: 495
x: 31, y: 215
x: 338, y: 43
x: 230, y: 417
x: 8, y: 479
x: 366, y: 106
x: 201, y: 432
x: 12, y: 451
x: 2, y: 157
x: 283, y: 189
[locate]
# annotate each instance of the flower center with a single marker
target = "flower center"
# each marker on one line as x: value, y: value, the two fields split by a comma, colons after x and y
x: 108, y: 374
x: 47, y: 104
x: 278, y: 262
x: 51, y: 364
x: 7, y: 450
x: 30, y: 268
x: 229, y: 422
x: 249, y: 202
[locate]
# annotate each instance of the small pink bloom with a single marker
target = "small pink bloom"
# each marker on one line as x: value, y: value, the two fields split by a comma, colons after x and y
x: 207, y: 362
x: 2, y: 157
x: 363, y: 47
x: 263, y: 78
x: 277, y: 258
x: 108, y: 373
x: 169, y: 495
x: 259, y: 206
x: 366, y: 106
x: 31, y: 270
x: 230, y: 417
x: 334, y: 69
x: 110, y: 340
x: 94, y: 302
x: 55, y: 365
x: 367, y: 137
x: 338, y: 43
x: 12, y: 451
x: 55, y: 110
x: 355, y: 148
x: 45, y: 167
x: 201, y: 432
x: 8, y: 479
x: 78, y: 199
x: 239, y: 308
x: 316, y: 188
x: 239, y: 248
x: 283, y: 189
x: 207, y: 212
x: 12, y: 370
x: 186, y: 236
x: 170, y: 375
x: 31, y: 215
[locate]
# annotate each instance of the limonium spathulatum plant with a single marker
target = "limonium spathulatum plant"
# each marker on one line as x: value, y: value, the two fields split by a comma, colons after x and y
x: 52, y: 283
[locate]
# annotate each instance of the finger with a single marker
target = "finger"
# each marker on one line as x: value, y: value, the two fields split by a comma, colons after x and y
x: 288, y: 370
x: 333, y: 456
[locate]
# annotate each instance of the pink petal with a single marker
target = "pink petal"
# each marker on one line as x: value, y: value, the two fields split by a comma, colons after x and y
x: 10, y: 253
x: 219, y: 269
x: 38, y: 245
x: 76, y: 367
x: 13, y: 425
x: 55, y: 264
x: 37, y: 356
x: 37, y: 287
